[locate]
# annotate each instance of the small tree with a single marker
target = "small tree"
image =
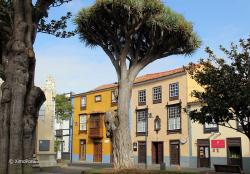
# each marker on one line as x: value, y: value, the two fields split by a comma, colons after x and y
x: 20, y: 21
x: 226, y: 83
x: 133, y: 33
x: 63, y: 107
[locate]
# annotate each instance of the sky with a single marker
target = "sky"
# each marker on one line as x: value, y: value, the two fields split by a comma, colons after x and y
x: 77, y: 68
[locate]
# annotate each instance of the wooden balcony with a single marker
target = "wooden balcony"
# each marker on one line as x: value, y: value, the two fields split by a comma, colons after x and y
x: 96, y: 126
x: 96, y: 133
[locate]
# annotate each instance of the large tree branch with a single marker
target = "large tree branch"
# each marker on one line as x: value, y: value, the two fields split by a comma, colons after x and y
x: 230, y: 126
x: 113, y: 60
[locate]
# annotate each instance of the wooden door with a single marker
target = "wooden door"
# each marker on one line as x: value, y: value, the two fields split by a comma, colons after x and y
x: 160, y: 152
x: 142, y: 152
x: 203, y: 151
x: 157, y: 152
x: 97, y: 152
x: 82, y: 150
x: 174, y: 153
x: 234, y: 151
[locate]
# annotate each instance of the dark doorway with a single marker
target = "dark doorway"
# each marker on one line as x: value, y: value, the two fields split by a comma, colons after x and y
x: 174, y: 153
x: 157, y: 152
x: 97, y: 152
x: 234, y: 154
x: 142, y: 152
x: 203, y: 151
x: 82, y: 150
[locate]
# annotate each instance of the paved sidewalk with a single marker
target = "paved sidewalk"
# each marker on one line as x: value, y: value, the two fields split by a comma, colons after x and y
x: 77, y: 168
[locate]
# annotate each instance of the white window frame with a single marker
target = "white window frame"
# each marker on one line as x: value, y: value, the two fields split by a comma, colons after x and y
x: 174, y: 90
x: 98, y: 98
x: 142, y: 96
x: 174, y: 117
x: 141, y: 121
x: 157, y: 93
x: 210, y: 126
x: 83, y: 101
x: 83, y: 122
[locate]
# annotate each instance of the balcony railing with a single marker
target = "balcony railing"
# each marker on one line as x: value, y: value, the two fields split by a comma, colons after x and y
x: 59, y: 133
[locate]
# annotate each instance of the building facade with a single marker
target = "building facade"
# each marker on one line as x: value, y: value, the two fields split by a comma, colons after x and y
x: 90, y: 142
x: 161, y: 129
x: 45, y: 153
x: 63, y: 135
x: 163, y: 132
x: 212, y: 144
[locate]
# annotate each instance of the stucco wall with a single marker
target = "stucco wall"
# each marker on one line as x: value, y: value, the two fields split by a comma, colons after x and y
x: 160, y: 110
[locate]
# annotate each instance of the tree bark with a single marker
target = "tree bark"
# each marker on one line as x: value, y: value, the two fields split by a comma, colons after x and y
x: 20, y: 102
x: 122, y: 146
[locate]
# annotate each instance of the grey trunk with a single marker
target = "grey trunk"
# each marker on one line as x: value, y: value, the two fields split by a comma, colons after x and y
x: 122, y: 147
x: 20, y: 104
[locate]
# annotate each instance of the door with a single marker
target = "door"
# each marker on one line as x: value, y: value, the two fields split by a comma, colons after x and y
x: 203, y: 151
x: 142, y: 152
x: 174, y: 153
x: 82, y: 150
x: 97, y: 152
x: 234, y: 155
x: 157, y: 152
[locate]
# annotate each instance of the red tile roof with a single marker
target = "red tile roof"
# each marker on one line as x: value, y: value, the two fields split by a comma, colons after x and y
x: 144, y: 78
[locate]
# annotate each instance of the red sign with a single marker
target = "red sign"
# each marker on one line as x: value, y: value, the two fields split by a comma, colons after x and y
x: 218, y: 143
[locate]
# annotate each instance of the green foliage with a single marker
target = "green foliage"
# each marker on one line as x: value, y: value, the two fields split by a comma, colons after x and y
x: 56, y: 27
x: 226, y: 85
x: 56, y: 145
x: 63, y: 107
x: 149, y: 29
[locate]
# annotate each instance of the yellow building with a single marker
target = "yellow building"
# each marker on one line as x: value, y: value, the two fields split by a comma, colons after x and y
x: 163, y: 132
x: 89, y: 134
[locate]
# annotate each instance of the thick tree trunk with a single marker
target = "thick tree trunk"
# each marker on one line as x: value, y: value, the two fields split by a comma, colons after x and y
x: 20, y: 104
x: 122, y: 146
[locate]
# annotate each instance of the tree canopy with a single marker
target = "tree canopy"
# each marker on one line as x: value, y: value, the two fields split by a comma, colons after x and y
x: 63, y: 107
x: 141, y: 31
x: 226, y: 84
x: 133, y: 33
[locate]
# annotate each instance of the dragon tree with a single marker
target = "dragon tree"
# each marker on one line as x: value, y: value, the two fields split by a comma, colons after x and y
x: 133, y: 33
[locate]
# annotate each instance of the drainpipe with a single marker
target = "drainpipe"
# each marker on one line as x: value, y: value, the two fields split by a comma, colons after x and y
x: 189, y: 134
x: 71, y: 121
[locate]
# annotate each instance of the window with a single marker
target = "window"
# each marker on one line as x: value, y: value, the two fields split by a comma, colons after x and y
x: 95, y: 121
x: 98, y: 98
x: 44, y: 145
x: 113, y: 97
x: 157, y: 95
x: 83, y: 123
x: 174, y: 91
x: 83, y: 102
x: 210, y: 127
x: 174, y: 118
x: 141, y: 121
x: 141, y: 97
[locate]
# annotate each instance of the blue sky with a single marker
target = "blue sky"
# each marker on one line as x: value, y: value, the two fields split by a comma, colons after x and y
x: 78, y: 69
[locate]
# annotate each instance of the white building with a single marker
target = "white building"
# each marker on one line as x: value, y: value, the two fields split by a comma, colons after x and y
x: 45, y: 153
x: 62, y: 135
